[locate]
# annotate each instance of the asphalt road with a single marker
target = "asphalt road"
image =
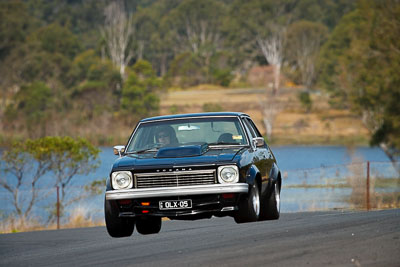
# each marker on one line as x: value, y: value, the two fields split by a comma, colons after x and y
x: 296, y: 239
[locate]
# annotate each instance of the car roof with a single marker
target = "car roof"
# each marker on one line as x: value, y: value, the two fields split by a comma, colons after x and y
x: 194, y: 115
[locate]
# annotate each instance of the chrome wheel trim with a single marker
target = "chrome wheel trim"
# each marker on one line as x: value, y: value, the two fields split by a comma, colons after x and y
x: 277, y: 198
x: 256, y: 201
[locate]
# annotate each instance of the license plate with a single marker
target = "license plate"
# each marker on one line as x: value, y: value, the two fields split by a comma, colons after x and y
x: 175, y: 204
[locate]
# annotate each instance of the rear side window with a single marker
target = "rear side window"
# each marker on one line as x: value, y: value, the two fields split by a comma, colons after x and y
x: 253, y: 126
x: 249, y: 129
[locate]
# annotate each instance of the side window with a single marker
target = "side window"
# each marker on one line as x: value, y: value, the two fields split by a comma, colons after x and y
x: 254, y: 128
x: 249, y: 129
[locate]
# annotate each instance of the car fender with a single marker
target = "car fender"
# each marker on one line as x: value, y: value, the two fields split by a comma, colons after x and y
x: 251, y: 175
x: 274, y: 178
x: 108, y: 183
x: 274, y: 173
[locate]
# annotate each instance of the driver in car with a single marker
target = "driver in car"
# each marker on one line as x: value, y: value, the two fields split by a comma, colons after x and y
x: 163, y: 138
x: 166, y: 136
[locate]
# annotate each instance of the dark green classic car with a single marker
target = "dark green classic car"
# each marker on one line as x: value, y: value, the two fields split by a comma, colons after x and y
x: 189, y: 167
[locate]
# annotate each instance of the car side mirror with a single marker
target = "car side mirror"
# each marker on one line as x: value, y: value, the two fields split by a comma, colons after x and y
x: 118, y: 150
x: 258, y: 141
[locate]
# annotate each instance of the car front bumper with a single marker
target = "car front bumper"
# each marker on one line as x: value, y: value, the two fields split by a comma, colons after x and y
x: 177, y: 191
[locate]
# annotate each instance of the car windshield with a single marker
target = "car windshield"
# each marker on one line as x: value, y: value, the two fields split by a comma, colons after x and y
x: 150, y: 136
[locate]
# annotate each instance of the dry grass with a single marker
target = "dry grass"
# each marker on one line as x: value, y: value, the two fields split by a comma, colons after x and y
x: 357, y: 181
x: 80, y: 217
x: 293, y: 125
x: 14, y: 224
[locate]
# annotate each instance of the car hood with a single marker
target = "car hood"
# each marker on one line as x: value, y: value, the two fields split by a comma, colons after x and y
x: 151, y: 160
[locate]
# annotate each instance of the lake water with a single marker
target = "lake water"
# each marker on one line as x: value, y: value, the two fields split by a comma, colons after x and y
x: 305, y: 165
x: 288, y: 157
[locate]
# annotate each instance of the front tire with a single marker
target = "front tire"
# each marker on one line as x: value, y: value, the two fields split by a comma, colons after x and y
x: 272, y: 205
x: 117, y: 227
x: 249, y: 207
x: 148, y: 225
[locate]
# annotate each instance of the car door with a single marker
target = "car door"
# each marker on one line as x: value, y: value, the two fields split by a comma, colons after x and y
x: 266, y: 160
x: 260, y: 153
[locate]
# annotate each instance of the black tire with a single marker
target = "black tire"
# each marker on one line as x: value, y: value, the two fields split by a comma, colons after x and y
x: 148, y: 225
x: 117, y: 227
x: 271, y: 209
x: 249, y: 206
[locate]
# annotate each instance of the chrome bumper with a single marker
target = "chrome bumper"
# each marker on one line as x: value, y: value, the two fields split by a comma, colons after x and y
x: 177, y: 191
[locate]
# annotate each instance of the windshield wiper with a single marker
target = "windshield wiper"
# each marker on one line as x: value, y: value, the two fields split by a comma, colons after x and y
x: 153, y: 149
x: 223, y: 143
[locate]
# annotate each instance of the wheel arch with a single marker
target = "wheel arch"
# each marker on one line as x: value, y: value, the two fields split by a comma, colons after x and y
x: 253, y: 176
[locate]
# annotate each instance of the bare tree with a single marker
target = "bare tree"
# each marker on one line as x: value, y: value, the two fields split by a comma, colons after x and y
x: 266, y: 22
x: 200, y: 35
x: 270, y: 107
x: 117, y: 32
x: 304, y: 40
x: 196, y: 27
x: 306, y: 56
x: 272, y: 49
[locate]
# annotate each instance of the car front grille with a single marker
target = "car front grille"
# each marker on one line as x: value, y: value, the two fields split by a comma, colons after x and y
x: 174, y: 179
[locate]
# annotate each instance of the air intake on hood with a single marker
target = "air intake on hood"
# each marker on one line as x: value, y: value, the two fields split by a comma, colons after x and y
x: 182, y: 151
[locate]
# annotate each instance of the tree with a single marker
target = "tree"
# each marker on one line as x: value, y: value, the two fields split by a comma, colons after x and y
x: 196, y: 28
x: 139, y: 96
x: 335, y: 58
x: 304, y: 41
x: 33, y: 103
x: 145, y: 26
x: 96, y: 86
x: 360, y: 64
x: 46, y: 55
x: 15, y: 24
x: 26, y: 163
x: 117, y: 33
x: 82, y: 18
x: 262, y: 27
x: 272, y: 49
x: 186, y: 70
x: 69, y: 157
x: 154, y: 35
x: 327, y: 12
x: 57, y: 39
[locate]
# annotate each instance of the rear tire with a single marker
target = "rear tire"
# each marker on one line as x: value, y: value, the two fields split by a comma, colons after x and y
x: 148, y: 225
x: 249, y: 206
x: 117, y: 227
x: 272, y: 205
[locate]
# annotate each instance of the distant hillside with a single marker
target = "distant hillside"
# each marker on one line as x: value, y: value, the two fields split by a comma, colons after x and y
x: 293, y: 124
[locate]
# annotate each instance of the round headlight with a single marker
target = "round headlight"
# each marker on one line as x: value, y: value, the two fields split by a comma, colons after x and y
x: 121, y: 180
x: 228, y: 174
